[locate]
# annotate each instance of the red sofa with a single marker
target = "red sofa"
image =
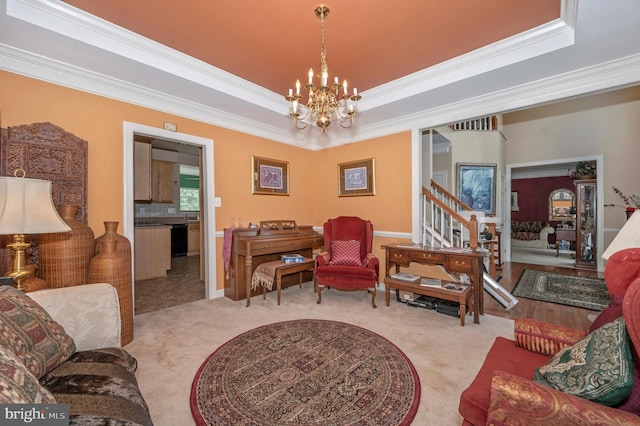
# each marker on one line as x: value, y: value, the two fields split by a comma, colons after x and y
x: 504, y: 393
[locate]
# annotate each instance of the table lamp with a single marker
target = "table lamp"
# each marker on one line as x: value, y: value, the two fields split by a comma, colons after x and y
x: 26, y: 207
x: 628, y: 236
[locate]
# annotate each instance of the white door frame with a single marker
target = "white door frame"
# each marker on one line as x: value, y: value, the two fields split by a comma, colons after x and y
x: 599, y: 159
x: 208, y: 180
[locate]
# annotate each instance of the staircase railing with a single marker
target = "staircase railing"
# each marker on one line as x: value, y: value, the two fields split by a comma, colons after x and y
x: 443, y: 222
x: 448, y: 222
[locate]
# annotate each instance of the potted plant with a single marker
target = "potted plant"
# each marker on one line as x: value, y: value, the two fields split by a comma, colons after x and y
x: 584, y: 170
x: 631, y: 202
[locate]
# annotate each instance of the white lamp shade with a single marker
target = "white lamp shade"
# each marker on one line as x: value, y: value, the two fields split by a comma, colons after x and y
x: 628, y: 236
x: 26, y: 207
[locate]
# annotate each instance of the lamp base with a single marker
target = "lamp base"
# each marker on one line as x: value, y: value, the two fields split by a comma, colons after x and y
x: 18, y: 272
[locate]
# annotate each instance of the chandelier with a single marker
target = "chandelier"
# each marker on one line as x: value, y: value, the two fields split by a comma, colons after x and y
x: 324, y: 101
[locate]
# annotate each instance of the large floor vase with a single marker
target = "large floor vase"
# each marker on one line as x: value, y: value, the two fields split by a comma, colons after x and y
x: 114, y: 268
x: 65, y: 256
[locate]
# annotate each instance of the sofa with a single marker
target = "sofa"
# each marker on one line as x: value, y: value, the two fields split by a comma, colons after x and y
x: 533, y: 234
x: 62, y: 346
x: 553, y: 375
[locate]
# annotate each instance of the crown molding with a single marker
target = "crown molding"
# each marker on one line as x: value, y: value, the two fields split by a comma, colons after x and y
x: 617, y: 73
x: 64, y: 19
x: 543, y: 39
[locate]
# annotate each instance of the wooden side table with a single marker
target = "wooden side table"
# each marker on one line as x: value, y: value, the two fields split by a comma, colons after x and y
x: 453, y: 260
x: 564, y: 234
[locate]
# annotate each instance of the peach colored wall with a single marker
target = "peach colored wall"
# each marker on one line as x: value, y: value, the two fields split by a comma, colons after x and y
x: 99, y: 121
x: 313, y: 175
x: 390, y: 209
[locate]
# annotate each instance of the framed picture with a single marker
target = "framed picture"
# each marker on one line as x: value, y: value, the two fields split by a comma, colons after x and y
x: 269, y: 177
x: 357, y: 178
x: 477, y: 186
x: 514, y: 201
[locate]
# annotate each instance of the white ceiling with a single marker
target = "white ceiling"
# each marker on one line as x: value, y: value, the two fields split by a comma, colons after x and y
x: 593, y: 47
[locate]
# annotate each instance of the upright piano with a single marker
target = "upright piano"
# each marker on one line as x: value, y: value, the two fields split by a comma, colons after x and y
x: 269, y: 241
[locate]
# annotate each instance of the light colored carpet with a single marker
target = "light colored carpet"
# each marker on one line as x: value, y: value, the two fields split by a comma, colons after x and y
x: 538, y: 256
x: 171, y: 344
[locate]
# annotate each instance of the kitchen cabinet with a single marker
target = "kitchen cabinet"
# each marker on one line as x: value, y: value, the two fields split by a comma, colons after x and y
x: 142, y: 171
x: 586, y: 224
x: 153, y: 180
x: 162, y: 181
x: 193, y: 229
x: 152, y: 251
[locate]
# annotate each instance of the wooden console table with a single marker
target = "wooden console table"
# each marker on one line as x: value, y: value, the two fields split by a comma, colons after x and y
x: 469, y: 263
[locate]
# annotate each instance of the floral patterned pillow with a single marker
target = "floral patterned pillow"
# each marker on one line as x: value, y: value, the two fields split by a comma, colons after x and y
x: 17, y: 384
x: 598, y: 367
x: 31, y: 334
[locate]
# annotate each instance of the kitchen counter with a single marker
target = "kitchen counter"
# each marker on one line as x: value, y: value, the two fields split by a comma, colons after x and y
x: 154, y: 221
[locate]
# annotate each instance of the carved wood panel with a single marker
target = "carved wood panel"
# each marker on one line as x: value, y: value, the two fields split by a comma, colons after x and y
x: 46, y: 151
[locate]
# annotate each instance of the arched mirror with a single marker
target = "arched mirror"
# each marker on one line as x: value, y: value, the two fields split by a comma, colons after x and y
x: 562, y: 205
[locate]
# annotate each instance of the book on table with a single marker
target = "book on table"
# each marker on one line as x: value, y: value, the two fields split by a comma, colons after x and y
x: 404, y: 276
x: 292, y: 258
x: 454, y: 287
x: 430, y: 282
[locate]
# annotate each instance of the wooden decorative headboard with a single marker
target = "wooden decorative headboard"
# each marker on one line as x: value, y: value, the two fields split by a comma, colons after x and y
x: 46, y: 151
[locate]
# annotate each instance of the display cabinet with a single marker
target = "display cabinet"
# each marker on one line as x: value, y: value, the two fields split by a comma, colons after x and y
x: 586, y: 224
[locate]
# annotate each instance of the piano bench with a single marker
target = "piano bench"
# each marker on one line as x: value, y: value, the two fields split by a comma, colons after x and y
x: 288, y: 269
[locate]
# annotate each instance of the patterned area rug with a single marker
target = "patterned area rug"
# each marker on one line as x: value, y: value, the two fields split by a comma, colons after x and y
x: 306, y: 372
x: 590, y: 293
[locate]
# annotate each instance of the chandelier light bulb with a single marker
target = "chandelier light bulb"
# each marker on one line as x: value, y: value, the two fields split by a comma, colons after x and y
x: 323, y: 102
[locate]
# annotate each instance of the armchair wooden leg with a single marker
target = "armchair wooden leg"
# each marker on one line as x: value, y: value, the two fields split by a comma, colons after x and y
x: 319, y: 294
x: 373, y: 298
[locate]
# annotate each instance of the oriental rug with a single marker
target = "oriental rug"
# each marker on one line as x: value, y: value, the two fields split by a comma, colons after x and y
x: 589, y: 293
x: 306, y: 372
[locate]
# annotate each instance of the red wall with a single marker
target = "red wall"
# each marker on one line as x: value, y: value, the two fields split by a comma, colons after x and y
x: 533, y: 196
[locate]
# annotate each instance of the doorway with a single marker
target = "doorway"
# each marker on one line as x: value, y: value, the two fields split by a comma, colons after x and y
x: 207, y: 213
x: 555, y: 168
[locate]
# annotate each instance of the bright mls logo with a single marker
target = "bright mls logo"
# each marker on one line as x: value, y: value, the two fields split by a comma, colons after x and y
x: 34, y: 414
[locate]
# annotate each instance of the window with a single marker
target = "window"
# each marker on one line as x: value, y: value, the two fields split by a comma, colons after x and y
x: 189, y: 188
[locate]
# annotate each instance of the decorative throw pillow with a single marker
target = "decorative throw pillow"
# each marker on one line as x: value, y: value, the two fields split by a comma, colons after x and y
x: 345, y: 253
x: 598, y: 367
x: 17, y: 385
x: 543, y: 337
x: 30, y: 332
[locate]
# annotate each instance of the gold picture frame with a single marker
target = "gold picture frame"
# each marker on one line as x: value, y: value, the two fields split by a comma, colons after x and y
x: 357, y: 178
x: 269, y: 176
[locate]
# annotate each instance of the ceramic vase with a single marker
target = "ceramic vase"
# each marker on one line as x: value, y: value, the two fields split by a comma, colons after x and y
x: 65, y: 256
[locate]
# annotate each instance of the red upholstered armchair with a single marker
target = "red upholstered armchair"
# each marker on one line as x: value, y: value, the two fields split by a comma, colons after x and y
x: 347, y: 262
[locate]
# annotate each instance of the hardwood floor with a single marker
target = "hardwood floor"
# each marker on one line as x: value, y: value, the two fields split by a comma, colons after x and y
x: 526, y: 308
